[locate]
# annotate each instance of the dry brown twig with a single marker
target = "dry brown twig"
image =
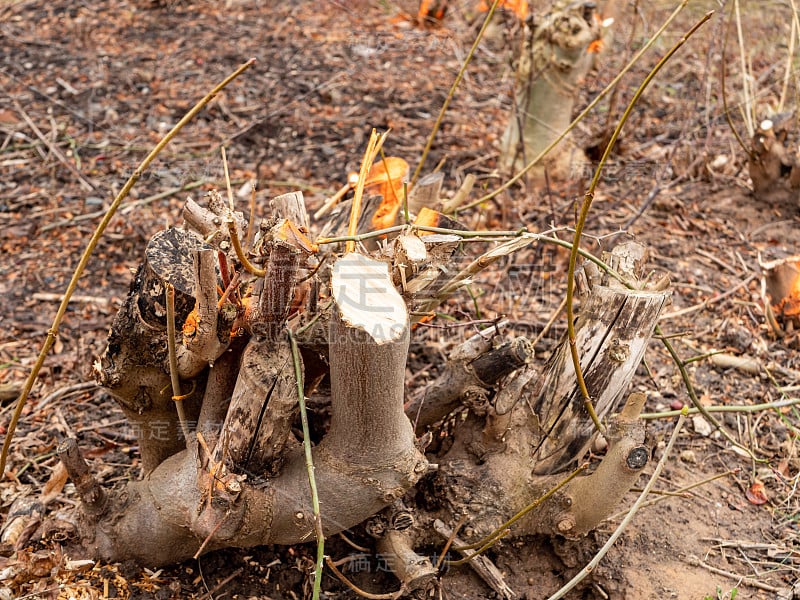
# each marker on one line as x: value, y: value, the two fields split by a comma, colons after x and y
x: 54, y: 150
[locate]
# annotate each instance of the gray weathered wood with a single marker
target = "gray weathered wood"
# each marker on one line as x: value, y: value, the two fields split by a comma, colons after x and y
x: 426, y: 193
x: 292, y: 206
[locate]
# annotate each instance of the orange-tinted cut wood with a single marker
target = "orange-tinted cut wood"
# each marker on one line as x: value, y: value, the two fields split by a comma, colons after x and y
x: 518, y: 7
x: 386, y: 178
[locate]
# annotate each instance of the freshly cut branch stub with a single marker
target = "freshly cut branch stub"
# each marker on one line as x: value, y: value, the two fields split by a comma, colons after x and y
x: 366, y: 298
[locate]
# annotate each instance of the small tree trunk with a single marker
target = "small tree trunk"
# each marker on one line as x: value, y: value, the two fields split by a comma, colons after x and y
x: 257, y: 430
x: 774, y: 164
x: 191, y: 501
x: 369, y: 339
x: 553, y: 64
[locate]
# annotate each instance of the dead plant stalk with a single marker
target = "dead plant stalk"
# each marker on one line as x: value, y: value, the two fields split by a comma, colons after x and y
x: 452, y: 92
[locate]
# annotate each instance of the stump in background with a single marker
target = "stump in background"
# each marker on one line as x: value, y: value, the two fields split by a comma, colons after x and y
x: 554, y: 61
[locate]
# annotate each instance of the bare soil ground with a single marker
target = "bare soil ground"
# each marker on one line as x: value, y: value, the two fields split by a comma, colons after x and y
x: 89, y: 87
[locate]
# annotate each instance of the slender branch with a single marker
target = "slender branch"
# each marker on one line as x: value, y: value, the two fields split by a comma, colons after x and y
x: 793, y: 34
x: 496, y: 537
x: 550, y: 322
x: 748, y: 107
x: 237, y: 244
x: 227, y: 178
x: 726, y: 409
x: 397, y: 228
x: 85, y: 183
x: 740, y: 579
x: 587, y: 203
x: 130, y: 206
x: 452, y: 92
x: 687, y: 381
x: 787, y: 74
x: 209, y: 595
x: 52, y: 333
x: 679, y: 492
x: 237, y: 247
x: 177, y: 397
x: 452, y: 538
x: 301, y: 400
x: 725, y: 108
x: 702, y: 356
x: 621, y: 527
x: 481, y: 236
x: 252, y: 217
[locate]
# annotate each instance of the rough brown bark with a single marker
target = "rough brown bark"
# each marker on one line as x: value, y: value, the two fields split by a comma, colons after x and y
x: 613, y: 330
x: 257, y: 430
x: 553, y: 63
x: 245, y: 482
x: 471, y: 368
x: 135, y: 366
x: 368, y: 459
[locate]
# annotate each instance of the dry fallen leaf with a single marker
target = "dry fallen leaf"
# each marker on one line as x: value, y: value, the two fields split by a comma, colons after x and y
x: 756, y: 493
x: 54, y: 485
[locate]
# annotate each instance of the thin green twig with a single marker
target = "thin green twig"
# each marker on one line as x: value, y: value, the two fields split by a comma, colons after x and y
x: 687, y: 381
x: 622, y: 526
x: 52, y: 333
x: 174, y: 378
x: 301, y: 400
x: 787, y: 402
x: 702, y: 356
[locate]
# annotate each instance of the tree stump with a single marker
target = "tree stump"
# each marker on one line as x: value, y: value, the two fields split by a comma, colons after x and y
x: 553, y: 63
x: 241, y: 479
x: 520, y: 443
